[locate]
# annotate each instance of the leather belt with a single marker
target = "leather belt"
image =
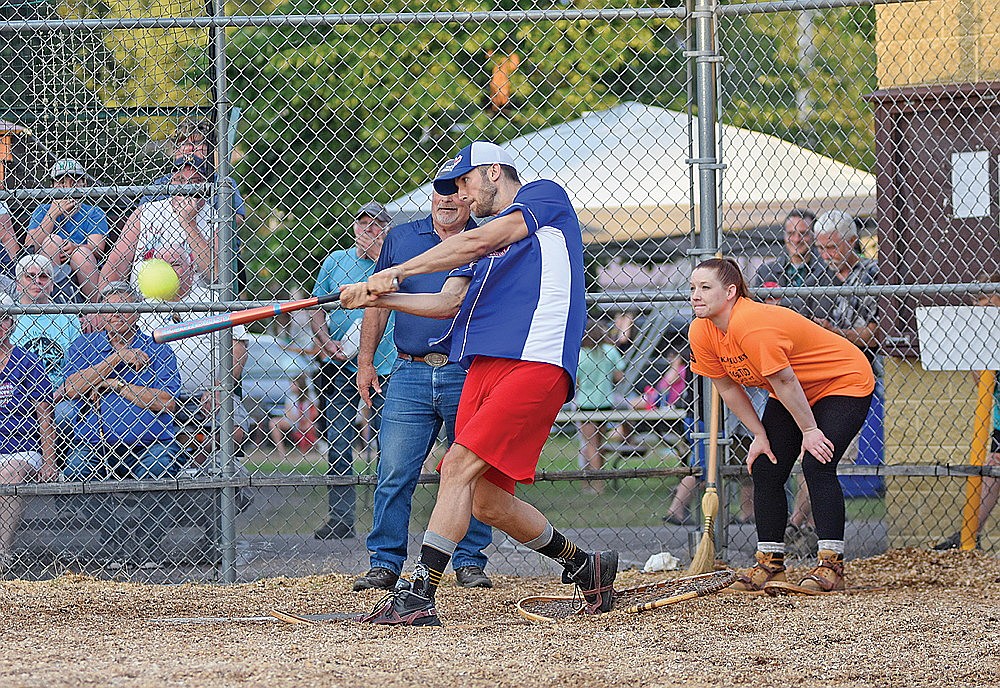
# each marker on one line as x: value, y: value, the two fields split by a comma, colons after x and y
x: 433, y: 359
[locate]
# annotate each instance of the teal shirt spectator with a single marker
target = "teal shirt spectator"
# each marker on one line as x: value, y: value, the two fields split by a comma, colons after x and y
x: 594, y: 379
x: 48, y: 336
x: 86, y: 220
x: 345, y: 267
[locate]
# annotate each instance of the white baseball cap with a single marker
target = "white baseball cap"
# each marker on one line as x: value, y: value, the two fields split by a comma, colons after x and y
x: 474, y: 155
x: 68, y: 166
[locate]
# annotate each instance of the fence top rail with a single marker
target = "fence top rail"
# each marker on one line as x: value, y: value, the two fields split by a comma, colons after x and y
x: 342, y: 19
x: 377, y: 18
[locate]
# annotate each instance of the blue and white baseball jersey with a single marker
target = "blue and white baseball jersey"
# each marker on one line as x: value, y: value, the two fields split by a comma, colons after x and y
x: 527, y: 301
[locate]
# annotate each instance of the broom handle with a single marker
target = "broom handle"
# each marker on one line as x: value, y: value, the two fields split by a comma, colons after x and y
x: 713, y: 441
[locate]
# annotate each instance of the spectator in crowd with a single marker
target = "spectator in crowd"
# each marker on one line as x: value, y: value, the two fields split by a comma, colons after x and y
x: 853, y: 317
x: 298, y: 419
x: 990, y: 486
x: 69, y: 232
x: 293, y: 329
x: 799, y: 266
x: 199, y: 399
x: 47, y: 335
x: 125, y: 386
x: 624, y: 330
x: 422, y: 394
x: 27, y: 444
x: 8, y: 241
x: 339, y: 398
x: 180, y: 220
x: 194, y: 137
x: 599, y: 370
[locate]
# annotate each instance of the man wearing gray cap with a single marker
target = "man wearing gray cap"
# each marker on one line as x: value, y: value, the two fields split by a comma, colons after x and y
x: 335, y: 335
x: 69, y: 232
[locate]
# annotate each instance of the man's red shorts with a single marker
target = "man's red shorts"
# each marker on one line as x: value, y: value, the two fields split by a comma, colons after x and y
x: 506, y: 413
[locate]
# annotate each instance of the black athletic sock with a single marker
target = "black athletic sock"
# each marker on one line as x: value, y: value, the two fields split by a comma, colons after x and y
x: 430, y: 567
x: 554, y: 545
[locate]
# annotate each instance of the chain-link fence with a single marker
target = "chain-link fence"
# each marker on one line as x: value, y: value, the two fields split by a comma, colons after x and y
x: 844, y: 151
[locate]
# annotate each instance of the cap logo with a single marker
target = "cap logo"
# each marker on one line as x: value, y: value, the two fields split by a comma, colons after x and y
x: 450, y: 165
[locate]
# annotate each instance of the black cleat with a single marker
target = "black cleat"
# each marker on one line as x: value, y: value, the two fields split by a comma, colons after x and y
x: 596, y: 580
x: 403, y: 608
x: 472, y: 577
x: 377, y: 577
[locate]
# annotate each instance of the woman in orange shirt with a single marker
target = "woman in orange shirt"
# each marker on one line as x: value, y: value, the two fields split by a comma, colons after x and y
x: 820, y: 388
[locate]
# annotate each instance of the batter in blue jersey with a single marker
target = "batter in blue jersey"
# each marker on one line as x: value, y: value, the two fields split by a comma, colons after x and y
x: 515, y: 295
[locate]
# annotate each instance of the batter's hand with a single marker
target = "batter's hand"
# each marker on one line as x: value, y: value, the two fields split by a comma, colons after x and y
x: 356, y: 296
x: 384, y: 282
x: 817, y: 444
x: 759, y: 447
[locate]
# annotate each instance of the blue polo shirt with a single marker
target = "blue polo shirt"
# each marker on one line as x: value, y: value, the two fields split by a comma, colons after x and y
x: 414, y: 333
x: 86, y: 220
x: 527, y: 301
x: 23, y: 383
x: 343, y: 268
x: 122, y: 421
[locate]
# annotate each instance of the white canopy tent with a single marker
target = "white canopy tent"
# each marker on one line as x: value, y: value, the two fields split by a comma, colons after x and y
x: 625, y: 170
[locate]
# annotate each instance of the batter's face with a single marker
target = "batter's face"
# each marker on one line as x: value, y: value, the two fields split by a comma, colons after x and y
x: 449, y: 211
x: 478, y: 188
x: 798, y: 238
x: 709, y: 296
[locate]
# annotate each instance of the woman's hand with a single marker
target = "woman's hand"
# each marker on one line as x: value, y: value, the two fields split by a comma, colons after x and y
x: 759, y: 447
x: 816, y: 443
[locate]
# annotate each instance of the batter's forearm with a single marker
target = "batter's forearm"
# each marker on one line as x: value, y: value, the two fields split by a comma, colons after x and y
x: 440, y: 306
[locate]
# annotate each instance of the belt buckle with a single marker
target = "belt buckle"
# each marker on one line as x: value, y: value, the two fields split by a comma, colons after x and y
x: 436, y: 360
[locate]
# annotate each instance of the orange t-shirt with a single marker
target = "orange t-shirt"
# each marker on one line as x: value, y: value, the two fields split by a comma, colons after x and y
x: 763, y: 339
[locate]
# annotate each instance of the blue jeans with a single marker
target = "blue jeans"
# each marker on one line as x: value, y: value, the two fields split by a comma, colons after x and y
x: 418, y: 400
x: 155, y: 460
x: 338, y: 401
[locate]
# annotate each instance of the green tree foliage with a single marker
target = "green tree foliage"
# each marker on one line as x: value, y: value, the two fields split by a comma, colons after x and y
x: 762, y: 75
x: 334, y: 117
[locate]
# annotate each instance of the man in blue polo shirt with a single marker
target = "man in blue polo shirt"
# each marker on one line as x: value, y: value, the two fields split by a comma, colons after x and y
x: 124, y: 385
x: 517, y: 297
x: 333, y: 333
x: 423, y: 394
x: 69, y: 232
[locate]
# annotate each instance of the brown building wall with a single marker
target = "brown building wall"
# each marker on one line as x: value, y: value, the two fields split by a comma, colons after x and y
x: 939, y: 79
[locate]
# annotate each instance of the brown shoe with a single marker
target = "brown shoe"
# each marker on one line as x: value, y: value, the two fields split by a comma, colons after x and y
x: 827, y: 576
x: 770, y: 567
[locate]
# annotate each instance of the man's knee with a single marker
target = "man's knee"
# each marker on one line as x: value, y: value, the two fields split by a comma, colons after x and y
x: 492, y: 512
x: 461, y: 465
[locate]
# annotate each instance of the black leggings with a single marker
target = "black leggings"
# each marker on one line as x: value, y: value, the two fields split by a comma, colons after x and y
x: 840, y: 418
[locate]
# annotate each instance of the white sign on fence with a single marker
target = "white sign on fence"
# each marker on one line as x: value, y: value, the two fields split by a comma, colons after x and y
x: 959, y: 337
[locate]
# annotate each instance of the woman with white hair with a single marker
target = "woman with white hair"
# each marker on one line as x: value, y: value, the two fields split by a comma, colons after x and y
x: 27, y: 447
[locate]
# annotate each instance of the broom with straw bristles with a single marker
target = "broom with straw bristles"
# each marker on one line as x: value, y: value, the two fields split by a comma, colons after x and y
x: 704, y: 558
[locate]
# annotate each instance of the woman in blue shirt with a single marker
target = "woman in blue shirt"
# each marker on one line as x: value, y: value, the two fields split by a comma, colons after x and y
x: 27, y: 447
